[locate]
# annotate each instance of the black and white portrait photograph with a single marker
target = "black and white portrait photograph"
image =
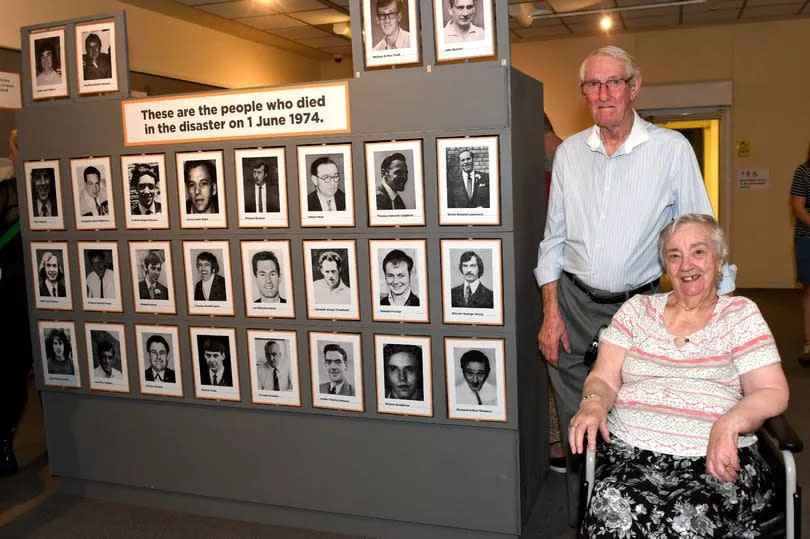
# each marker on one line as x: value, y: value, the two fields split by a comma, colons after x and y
x: 107, y: 357
x: 100, y: 276
x: 336, y: 366
x: 464, y: 29
x: 476, y: 386
x: 47, y: 64
x: 201, y: 188
x: 472, y: 290
x: 44, y: 193
x: 267, y: 274
x: 391, y: 29
x: 92, y: 193
x: 159, y: 360
x: 152, y: 276
x: 468, y: 181
x: 326, y: 185
x: 274, y: 367
x: 261, y: 187
x: 208, y: 277
x: 51, y: 275
x: 213, y: 355
x: 398, y: 280
x: 95, y: 57
x: 60, y: 364
x: 330, y: 270
x: 396, y: 187
x: 144, y: 184
x: 404, y: 377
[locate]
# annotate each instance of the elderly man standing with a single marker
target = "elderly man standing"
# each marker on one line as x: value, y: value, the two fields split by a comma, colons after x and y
x: 614, y: 187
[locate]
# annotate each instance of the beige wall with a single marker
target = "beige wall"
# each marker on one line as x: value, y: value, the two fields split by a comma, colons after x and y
x: 771, y: 108
x: 167, y: 46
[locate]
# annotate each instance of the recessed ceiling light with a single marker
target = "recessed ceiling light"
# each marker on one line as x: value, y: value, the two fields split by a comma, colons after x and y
x: 605, y: 23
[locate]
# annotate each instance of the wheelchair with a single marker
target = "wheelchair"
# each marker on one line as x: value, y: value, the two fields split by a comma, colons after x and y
x: 777, y: 444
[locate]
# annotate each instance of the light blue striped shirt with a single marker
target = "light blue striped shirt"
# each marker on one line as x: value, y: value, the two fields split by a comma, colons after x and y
x: 605, y: 213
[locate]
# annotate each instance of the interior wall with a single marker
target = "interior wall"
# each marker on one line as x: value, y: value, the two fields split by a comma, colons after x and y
x: 170, y: 47
x: 770, y: 109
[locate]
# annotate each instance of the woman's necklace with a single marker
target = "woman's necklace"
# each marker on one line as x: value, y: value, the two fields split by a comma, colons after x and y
x: 710, y: 301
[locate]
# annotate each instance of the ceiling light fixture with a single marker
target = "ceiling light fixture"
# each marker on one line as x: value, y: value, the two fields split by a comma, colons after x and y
x: 542, y: 14
x: 342, y: 29
x: 605, y: 23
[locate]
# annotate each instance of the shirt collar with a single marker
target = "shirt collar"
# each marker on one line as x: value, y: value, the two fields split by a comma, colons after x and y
x: 638, y: 135
x: 323, y: 200
x: 391, y: 194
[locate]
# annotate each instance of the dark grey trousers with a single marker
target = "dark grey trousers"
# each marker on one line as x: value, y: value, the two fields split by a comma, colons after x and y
x: 582, y: 318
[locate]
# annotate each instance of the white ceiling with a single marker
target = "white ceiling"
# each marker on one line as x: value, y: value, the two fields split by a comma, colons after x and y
x: 306, y: 25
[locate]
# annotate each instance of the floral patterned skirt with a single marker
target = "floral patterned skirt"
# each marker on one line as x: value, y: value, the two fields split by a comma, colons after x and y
x: 640, y: 493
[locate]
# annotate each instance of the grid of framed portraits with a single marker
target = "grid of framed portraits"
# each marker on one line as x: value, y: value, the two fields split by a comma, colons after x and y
x: 95, y: 59
x: 468, y: 187
x: 463, y: 29
x: 403, y: 365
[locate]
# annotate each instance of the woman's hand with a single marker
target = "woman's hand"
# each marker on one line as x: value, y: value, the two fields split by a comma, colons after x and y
x: 722, y: 460
x: 591, y: 417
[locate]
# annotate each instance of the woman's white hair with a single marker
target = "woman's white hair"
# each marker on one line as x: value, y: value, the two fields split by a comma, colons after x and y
x: 631, y: 70
x: 718, y: 237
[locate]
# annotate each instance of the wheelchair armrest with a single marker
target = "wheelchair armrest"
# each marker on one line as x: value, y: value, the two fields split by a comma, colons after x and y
x: 779, y: 428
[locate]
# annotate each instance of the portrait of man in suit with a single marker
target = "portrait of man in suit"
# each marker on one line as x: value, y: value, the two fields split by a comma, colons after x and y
x: 51, y: 276
x: 402, y: 365
x: 273, y: 371
x: 476, y: 389
x: 467, y: 187
x: 101, y: 278
x: 200, y: 177
x: 93, y: 195
x: 327, y: 196
x: 149, y: 287
x: 261, y: 185
x: 393, y: 178
x: 144, y: 181
x: 398, y: 271
x: 157, y: 352
x: 96, y: 64
x: 215, y: 365
x: 336, y: 361
x: 105, y: 358
x: 267, y: 273
x: 471, y: 293
x: 43, y: 187
x: 211, y: 286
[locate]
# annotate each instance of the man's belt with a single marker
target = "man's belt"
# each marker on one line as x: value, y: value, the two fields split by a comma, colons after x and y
x: 614, y: 297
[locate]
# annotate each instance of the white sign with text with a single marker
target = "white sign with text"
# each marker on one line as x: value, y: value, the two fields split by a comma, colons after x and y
x: 296, y: 110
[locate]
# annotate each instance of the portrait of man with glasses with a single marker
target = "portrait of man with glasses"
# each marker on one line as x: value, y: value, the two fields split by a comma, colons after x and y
x: 388, y: 15
x: 325, y: 176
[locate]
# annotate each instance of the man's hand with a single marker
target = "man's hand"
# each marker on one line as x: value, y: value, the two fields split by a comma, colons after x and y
x: 552, y: 332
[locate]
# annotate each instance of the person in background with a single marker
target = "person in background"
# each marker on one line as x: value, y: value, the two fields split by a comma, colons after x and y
x: 800, y: 203
x: 16, y: 361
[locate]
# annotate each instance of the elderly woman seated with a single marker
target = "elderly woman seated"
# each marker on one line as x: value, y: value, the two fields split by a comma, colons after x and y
x: 682, y: 381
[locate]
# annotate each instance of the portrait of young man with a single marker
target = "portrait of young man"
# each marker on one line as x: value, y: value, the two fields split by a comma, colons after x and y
x: 393, y: 179
x: 100, y: 278
x: 51, y: 275
x: 461, y: 27
x: 471, y: 293
x: 476, y: 388
x: 402, y: 365
x: 145, y: 183
x: 389, y: 17
x: 106, y: 360
x: 211, y: 286
x: 95, y: 63
x: 43, y: 190
x: 158, y: 357
x: 398, y: 271
x: 93, y: 198
x: 330, y: 288
x: 466, y: 186
x: 215, y: 364
x: 200, y: 177
x: 336, y: 363
x: 267, y: 275
x: 150, y: 287
x: 261, y: 185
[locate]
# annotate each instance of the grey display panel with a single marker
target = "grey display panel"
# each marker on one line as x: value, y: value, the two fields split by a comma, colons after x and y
x: 467, y: 475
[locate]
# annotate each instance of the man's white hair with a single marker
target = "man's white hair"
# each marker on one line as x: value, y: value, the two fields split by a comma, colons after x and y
x: 631, y: 70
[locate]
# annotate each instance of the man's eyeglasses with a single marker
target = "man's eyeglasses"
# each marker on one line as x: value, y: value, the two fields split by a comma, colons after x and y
x: 612, y: 85
x: 334, y: 178
x: 159, y: 353
x: 391, y: 15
